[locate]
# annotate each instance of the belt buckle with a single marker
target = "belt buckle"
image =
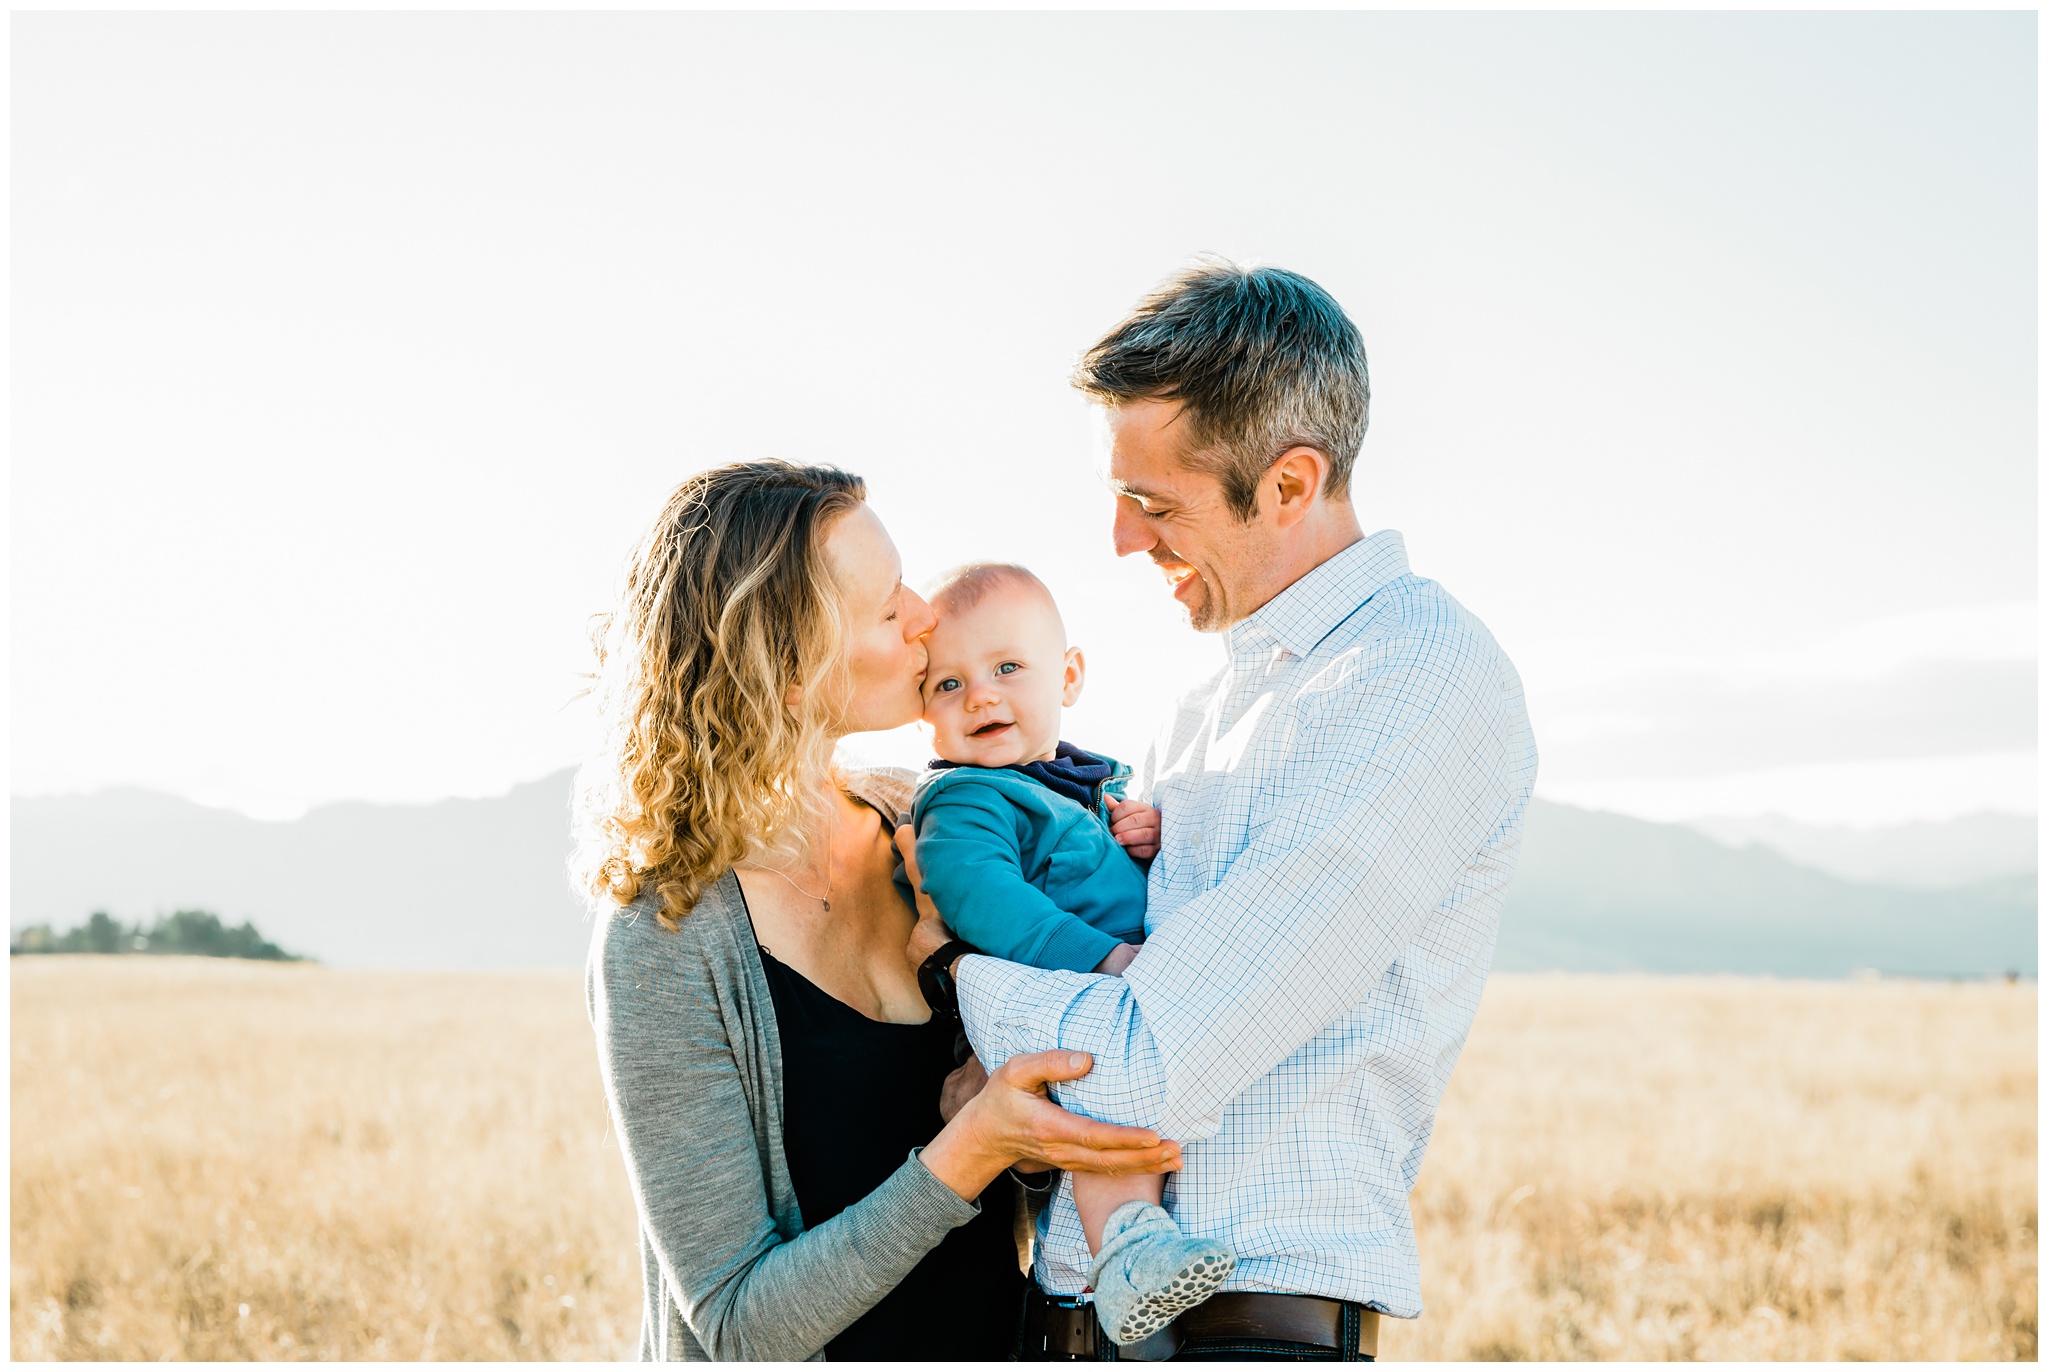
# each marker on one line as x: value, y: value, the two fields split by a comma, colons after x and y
x: 1161, y: 1344
x: 1069, y: 1327
x: 1066, y: 1327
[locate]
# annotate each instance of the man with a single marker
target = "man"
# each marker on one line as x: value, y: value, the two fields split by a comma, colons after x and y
x: 1341, y: 807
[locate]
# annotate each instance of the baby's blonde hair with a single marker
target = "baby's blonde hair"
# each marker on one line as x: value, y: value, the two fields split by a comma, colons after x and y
x: 965, y: 586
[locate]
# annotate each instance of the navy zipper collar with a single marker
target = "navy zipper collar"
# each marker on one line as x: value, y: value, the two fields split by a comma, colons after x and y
x: 1071, y: 772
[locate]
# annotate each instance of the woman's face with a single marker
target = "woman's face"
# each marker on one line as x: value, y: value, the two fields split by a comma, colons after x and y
x: 886, y: 624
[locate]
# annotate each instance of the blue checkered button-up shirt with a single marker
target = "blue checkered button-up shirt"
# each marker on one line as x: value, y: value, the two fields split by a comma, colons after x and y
x: 1342, y: 805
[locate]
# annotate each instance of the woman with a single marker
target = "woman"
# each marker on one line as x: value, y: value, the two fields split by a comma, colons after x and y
x: 773, y: 1070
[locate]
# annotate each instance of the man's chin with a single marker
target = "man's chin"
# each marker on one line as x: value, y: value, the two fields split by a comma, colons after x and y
x: 1202, y: 615
x: 1198, y: 602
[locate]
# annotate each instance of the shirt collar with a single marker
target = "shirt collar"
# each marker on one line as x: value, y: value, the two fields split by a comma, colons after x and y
x: 1303, y: 615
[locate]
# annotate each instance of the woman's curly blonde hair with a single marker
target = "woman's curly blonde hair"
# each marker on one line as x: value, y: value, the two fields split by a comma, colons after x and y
x: 708, y: 757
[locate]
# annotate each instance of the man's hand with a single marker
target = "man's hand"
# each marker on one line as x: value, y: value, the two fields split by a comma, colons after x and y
x: 963, y: 1084
x: 1135, y: 825
x: 930, y: 933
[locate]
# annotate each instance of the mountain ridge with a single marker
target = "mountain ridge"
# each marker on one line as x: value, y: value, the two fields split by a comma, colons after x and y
x: 451, y: 883
x: 1929, y: 855
x: 484, y: 883
x: 1602, y: 892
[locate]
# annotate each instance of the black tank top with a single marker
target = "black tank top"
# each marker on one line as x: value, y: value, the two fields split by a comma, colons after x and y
x: 857, y: 1096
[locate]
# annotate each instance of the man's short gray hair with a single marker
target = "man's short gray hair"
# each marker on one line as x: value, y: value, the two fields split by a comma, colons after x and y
x: 1260, y: 359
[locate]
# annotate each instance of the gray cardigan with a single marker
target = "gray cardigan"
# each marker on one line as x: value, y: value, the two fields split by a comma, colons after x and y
x: 692, y: 1065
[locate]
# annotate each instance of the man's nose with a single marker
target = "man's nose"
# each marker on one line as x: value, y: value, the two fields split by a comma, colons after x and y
x: 1128, y: 532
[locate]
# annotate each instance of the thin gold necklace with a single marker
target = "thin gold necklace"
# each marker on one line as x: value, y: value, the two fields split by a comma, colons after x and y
x: 831, y: 833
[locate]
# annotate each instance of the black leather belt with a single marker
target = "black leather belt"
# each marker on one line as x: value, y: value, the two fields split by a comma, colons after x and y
x: 1057, y: 1327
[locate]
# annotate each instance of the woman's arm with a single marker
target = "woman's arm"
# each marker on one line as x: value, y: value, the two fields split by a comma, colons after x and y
x: 694, y: 1163
x: 1012, y: 1121
x: 674, y: 1084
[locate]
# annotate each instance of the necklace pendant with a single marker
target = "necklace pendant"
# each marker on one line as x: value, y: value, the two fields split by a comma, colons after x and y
x: 826, y: 903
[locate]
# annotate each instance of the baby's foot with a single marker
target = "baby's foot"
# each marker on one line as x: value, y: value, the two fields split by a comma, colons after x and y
x: 1147, y: 1272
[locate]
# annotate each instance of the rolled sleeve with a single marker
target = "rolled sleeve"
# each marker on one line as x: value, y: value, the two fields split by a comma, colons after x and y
x: 1011, y: 1009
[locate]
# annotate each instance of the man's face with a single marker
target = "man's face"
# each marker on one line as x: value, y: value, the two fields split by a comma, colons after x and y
x: 1218, y: 565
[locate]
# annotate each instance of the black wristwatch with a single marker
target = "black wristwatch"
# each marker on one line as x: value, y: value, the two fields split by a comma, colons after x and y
x: 935, y: 978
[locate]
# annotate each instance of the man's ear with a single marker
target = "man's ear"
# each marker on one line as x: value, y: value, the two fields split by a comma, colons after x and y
x: 1294, y: 483
x: 1077, y: 673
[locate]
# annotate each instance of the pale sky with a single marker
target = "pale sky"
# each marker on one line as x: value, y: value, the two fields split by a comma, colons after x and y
x: 351, y: 353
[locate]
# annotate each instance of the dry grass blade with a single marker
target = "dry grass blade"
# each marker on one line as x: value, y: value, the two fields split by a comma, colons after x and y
x: 227, y: 1160
x: 1729, y: 1168
x: 222, y: 1160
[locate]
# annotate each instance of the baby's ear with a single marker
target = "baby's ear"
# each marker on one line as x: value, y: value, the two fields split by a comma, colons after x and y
x: 1077, y: 673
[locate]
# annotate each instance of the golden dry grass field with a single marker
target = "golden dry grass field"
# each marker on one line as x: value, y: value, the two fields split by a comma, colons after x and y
x: 233, y: 1160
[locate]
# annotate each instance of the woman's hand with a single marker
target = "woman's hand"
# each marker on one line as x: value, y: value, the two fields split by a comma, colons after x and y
x: 930, y: 933
x: 1012, y: 1120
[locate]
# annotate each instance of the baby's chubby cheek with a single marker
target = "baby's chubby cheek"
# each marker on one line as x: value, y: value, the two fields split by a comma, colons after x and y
x: 944, y: 738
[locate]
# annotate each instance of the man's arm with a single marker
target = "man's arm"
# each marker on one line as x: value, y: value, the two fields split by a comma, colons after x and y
x: 1407, y: 775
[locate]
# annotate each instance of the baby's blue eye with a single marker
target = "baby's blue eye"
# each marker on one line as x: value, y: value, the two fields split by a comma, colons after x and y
x: 1008, y: 667
x: 951, y: 683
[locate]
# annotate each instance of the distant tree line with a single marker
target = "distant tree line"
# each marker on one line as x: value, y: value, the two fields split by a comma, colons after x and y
x: 192, y: 932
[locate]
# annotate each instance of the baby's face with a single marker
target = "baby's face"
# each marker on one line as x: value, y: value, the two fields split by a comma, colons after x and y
x: 1000, y: 673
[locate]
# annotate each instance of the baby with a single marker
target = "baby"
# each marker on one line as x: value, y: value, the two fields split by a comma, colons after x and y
x: 1015, y: 840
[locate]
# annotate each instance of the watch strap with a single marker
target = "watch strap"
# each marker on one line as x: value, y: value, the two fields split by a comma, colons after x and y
x: 935, y: 977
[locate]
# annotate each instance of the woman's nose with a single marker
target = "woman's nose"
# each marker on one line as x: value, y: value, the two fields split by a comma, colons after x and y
x: 918, y: 619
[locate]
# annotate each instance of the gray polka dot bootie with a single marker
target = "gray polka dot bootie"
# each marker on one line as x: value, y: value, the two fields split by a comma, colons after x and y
x: 1147, y: 1273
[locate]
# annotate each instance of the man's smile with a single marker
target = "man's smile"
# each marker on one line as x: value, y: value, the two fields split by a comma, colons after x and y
x: 1180, y: 577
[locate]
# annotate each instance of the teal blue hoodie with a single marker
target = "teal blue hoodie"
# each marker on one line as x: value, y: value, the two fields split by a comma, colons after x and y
x: 1024, y: 873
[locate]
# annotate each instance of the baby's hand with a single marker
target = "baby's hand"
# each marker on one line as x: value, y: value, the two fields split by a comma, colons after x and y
x: 1136, y: 826
x: 1117, y: 959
